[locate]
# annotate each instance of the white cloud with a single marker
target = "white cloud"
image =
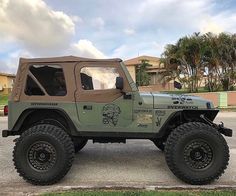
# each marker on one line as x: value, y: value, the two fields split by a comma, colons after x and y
x: 126, y: 51
x: 35, y: 26
x: 32, y: 25
x: 85, y: 48
x: 165, y: 21
x: 210, y: 26
x: 30, y: 28
x: 172, y: 14
x: 221, y: 22
x: 182, y: 17
x: 76, y: 19
x: 158, y: 46
x: 226, y: 21
x: 129, y: 31
x: 10, y: 65
x: 122, y: 51
x: 98, y: 23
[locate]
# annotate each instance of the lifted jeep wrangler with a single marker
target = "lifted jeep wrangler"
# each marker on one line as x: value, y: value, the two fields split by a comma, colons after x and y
x: 58, y: 104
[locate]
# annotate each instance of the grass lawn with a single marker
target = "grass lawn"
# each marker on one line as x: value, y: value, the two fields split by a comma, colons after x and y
x: 3, y: 99
x: 145, y: 193
x: 233, y: 109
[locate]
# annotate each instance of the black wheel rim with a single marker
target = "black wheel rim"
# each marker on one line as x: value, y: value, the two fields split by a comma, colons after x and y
x: 41, y: 156
x: 198, y: 155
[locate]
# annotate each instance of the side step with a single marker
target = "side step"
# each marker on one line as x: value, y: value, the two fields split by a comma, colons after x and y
x: 109, y: 140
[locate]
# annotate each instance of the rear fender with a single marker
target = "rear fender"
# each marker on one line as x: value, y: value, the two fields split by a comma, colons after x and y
x: 35, y: 116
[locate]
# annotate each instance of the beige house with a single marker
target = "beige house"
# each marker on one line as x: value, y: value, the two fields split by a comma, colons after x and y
x: 6, y: 83
x: 155, y: 68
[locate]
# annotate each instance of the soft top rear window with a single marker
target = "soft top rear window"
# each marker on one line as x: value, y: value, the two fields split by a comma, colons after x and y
x: 50, y: 78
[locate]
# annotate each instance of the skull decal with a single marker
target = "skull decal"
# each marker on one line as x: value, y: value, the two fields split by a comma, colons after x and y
x: 110, y: 114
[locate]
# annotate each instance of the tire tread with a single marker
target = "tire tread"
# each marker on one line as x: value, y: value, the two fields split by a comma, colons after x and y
x: 188, y: 128
x: 58, y: 134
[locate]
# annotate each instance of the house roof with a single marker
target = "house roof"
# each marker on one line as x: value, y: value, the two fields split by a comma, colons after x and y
x: 137, y: 60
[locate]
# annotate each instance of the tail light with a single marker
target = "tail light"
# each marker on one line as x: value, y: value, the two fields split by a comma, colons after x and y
x: 5, y: 110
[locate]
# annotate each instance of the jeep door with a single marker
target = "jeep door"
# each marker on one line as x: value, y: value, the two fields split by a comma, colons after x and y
x: 100, y: 106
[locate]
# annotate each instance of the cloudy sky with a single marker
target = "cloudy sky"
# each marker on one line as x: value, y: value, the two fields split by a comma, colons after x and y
x: 104, y: 28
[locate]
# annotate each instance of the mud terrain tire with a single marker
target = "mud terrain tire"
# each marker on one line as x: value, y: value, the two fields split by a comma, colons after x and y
x: 196, y: 153
x: 43, y: 154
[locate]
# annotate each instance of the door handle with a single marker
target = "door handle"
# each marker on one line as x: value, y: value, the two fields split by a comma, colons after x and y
x: 87, y: 107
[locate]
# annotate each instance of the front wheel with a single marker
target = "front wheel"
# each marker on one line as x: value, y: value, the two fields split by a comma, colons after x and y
x: 196, y: 153
x: 43, y: 154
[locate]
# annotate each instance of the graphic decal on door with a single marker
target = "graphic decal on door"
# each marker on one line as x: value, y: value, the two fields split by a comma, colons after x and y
x: 111, y: 114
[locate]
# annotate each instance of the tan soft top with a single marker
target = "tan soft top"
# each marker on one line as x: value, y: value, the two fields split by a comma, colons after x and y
x: 65, y: 59
x: 68, y: 63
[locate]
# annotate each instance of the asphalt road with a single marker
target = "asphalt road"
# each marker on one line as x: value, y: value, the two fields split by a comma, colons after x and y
x: 138, y: 163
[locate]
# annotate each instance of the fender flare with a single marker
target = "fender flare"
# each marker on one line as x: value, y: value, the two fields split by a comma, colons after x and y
x: 185, y: 116
x: 20, y: 122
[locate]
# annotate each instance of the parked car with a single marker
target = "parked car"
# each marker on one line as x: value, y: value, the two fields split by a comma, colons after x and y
x: 5, y: 110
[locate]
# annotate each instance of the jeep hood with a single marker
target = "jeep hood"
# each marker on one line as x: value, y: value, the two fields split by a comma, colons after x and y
x: 175, y: 101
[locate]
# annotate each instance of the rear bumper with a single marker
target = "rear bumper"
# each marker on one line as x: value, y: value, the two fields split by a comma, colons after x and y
x: 6, y: 133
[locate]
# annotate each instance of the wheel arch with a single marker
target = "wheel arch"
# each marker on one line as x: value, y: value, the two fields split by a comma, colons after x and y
x: 54, y: 116
x: 179, y: 117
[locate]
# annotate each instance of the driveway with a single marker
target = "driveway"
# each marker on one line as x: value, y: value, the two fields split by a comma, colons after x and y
x: 136, y: 164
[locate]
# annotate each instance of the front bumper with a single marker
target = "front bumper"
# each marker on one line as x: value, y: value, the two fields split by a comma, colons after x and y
x: 225, y: 131
x: 221, y: 128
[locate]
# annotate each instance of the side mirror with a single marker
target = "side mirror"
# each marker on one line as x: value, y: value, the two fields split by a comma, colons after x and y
x: 177, y: 85
x: 119, y: 83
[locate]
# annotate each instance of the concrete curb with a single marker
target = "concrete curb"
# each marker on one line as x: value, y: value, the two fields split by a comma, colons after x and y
x: 137, y: 187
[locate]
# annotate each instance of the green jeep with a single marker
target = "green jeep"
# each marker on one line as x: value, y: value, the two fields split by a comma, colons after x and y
x: 60, y: 103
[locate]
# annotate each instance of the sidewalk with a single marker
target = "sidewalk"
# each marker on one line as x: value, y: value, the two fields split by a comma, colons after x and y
x: 1, y: 110
x: 227, y: 114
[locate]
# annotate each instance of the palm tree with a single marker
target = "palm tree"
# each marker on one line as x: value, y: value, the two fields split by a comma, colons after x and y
x: 185, y: 58
x: 193, y: 57
x: 143, y: 78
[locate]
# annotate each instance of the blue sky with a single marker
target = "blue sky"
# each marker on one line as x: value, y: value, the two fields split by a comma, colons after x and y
x: 104, y: 28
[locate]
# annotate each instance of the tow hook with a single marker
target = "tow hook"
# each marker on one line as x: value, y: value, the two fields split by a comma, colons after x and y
x: 220, y: 127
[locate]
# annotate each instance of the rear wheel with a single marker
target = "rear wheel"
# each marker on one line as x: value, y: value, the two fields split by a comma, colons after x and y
x: 43, y: 154
x: 196, y: 153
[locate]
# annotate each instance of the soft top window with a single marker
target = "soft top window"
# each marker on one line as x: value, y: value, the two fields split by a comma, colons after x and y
x: 50, y: 78
x: 98, y: 78
x: 32, y: 87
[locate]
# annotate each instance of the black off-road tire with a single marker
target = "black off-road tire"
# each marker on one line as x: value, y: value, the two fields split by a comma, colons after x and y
x: 159, y: 144
x: 196, y: 153
x: 43, y: 154
x: 79, y: 144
